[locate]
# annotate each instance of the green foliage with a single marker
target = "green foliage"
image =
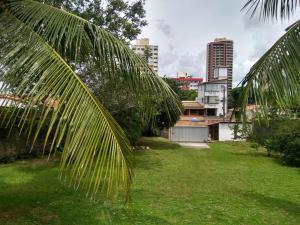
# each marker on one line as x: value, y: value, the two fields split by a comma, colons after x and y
x: 285, y: 138
x: 173, y: 84
x: 184, y: 95
x: 188, y: 95
x: 274, y: 79
x: 273, y: 8
x: 125, y: 21
x: 230, y: 183
x: 163, y: 119
x: 233, y: 97
x: 122, y: 18
x: 39, y: 47
x: 132, y: 122
x: 279, y: 135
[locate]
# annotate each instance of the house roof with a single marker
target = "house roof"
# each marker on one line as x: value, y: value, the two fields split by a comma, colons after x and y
x: 7, y: 99
x: 186, y: 121
x: 220, y: 81
x: 189, y: 79
x: 192, y: 105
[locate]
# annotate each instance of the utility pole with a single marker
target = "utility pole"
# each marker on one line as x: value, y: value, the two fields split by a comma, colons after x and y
x: 224, y: 98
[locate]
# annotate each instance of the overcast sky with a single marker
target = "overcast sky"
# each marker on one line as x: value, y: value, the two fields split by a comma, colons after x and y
x: 182, y: 28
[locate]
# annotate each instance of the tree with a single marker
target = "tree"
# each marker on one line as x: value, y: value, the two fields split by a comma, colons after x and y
x: 39, y: 46
x: 184, y: 95
x: 123, y: 19
x: 274, y: 80
x: 189, y: 95
x: 234, y: 95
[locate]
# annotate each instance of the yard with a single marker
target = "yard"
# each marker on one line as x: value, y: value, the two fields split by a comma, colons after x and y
x: 230, y: 183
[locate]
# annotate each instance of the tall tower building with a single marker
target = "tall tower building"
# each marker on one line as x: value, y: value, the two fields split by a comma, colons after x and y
x: 149, y: 52
x: 220, y: 60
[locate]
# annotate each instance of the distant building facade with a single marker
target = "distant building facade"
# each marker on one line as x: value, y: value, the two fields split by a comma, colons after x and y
x: 213, y: 96
x: 219, y: 62
x: 150, y: 52
x: 188, y: 82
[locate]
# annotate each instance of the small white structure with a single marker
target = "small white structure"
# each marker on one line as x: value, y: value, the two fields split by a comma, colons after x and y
x: 226, y: 131
x: 213, y: 96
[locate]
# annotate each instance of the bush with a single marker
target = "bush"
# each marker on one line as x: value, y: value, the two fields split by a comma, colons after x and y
x: 132, y: 123
x: 281, y: 136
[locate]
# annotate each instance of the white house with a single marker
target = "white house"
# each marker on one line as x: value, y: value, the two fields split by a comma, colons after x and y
x: 213, y: 96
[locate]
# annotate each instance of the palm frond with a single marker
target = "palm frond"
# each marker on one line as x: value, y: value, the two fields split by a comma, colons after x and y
x: 274, y: 81
x: 94, y: 145
x: 39, y: 46
x: 37, y: 43
x: 78, y: 40
x: 272, y: 8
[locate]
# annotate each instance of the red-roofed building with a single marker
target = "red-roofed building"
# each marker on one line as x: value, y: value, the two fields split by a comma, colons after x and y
x: 189, y: 83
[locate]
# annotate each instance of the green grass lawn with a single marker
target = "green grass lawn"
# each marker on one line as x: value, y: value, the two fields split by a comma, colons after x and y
x: 230, y: 183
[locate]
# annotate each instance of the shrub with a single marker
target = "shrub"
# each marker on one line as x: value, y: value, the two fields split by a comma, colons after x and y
x: 281, y: 136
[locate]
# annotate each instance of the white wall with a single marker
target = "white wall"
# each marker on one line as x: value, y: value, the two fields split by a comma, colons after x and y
x: 226, y: 131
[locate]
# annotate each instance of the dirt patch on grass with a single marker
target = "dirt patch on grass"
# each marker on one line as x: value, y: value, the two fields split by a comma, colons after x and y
x: 32, y: 215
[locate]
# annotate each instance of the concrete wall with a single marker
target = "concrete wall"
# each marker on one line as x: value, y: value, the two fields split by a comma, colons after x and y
x: 188, y: 134
x: 16, y: 146
x: 226, y: 131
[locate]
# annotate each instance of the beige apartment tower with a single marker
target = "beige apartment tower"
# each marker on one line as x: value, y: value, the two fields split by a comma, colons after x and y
x: 220, y: 60
x: 149, y: 52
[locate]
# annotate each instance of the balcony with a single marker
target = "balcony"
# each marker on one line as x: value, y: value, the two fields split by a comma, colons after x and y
x: 212, y: 93
x: 210, y: 106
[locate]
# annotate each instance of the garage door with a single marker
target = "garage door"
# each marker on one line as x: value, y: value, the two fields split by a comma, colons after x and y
x: 189, y: 134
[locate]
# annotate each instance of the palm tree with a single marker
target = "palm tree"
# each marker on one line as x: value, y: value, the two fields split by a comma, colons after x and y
x: 40, y: 49
x: 274, y: 80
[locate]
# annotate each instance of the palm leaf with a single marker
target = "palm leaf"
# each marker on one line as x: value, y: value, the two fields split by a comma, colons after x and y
x: 38, y: 44
x: 274, y: 81
x: 79, y: 40
x: 93, y: 143
x: 272, y: 8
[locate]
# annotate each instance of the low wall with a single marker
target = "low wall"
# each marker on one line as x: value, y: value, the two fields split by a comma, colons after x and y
x: 16, y: 146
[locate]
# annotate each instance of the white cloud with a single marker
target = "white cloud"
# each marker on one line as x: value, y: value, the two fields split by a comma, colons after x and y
x: 182, y: 30
x: 164, y: 27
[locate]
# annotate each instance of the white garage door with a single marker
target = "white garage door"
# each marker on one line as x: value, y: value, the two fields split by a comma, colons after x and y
x: 189, y: 134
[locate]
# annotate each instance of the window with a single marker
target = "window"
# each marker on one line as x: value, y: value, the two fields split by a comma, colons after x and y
x: 211, y: 87
x: 211, y: 100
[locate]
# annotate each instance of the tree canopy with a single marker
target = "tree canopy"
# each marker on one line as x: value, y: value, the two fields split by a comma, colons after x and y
x: 121, y: 18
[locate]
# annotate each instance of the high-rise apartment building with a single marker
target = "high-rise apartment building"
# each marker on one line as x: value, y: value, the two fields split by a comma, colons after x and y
x: 220, y: 60
x: 149, y: 52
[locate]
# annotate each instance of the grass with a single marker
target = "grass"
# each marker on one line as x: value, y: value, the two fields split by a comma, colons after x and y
x: 230, y: 183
